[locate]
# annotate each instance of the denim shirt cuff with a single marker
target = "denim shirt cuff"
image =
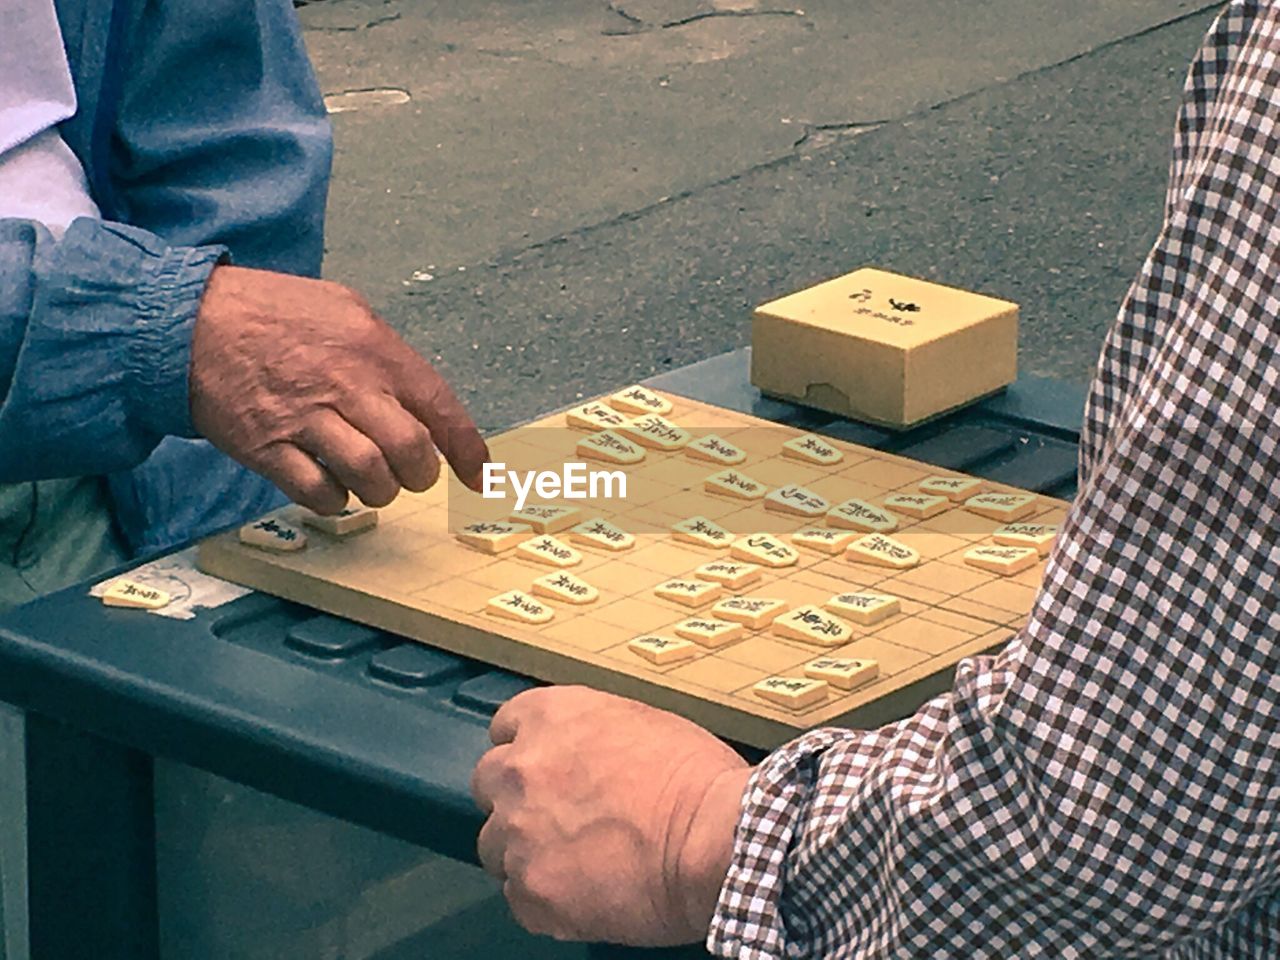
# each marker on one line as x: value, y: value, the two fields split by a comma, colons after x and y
x: 160, y: 354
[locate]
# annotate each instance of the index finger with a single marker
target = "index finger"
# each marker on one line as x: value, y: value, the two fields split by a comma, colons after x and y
x: 427, y: 396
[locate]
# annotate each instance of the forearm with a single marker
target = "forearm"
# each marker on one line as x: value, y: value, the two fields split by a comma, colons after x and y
x: 95, y: 333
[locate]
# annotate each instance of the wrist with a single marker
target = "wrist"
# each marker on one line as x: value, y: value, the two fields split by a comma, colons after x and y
x: 703, y: 859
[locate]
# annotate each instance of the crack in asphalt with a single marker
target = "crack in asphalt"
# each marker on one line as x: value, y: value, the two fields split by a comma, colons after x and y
x: 640, y: 25
x: 711, y: 14
x: 358, y: 27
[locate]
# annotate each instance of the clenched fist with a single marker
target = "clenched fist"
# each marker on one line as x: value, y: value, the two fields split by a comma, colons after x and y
x: 607, y: 820
x: 300, y: 381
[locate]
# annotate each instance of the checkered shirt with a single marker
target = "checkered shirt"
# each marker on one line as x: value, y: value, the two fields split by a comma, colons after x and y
x: 1109, y: 785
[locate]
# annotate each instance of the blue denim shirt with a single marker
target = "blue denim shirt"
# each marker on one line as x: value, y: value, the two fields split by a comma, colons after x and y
x: 203, y: 135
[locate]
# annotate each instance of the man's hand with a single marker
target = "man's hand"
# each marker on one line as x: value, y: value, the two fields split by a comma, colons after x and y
x: 608, y: 820
x: 300, y: 381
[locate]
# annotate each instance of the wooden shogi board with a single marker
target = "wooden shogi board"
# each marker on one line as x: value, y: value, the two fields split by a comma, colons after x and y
x: 411, y: 576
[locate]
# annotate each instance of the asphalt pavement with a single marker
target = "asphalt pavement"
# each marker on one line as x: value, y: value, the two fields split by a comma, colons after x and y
x: 552, y: 199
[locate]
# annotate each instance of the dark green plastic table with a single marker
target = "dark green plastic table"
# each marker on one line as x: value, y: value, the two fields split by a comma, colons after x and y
x: 235, y: 690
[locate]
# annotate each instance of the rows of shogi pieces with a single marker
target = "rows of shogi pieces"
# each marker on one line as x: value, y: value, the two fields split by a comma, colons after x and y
x: 622, y: 431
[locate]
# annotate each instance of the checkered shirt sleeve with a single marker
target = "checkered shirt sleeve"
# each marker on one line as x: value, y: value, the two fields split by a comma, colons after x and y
x: 1109, y: 785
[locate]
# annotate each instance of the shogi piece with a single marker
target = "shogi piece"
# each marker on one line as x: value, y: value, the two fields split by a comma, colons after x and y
x: 660, y: 650
x: 689, y: 593
x: 955, y: 489
x: 794, y: 693
x: 139, y: 596
x: 710, y: 632
x: 272, y: 535
x: 754, y: 612
x: 546, y: 517
x: 655, y: 432
x: 735, y: 485
x: 1005, y: 561
x: 733, y: 574
x: 602, y: 534
x: 1038, y: 535
x: 843, y: 673
x: 521, y: 607
x: 595, y: 416
x: 494, y: 536
x: 1007, y: 507
x: 547, y: 549
x: 566, y: 587
x: 796, y: 501
x: 882, y: 551
x: 811, y: 624
x: 864, y: 607
x: 765, y: 549
x: 702, y: 532
x: 350, y: 521
x: 860, y: 515
x: 715, y: 449
x: 824, y: 539
x: 637, y: 399
x: 811, y: 448
x: 922, y: 506
x: 609, y: 446
x: 884, y: 348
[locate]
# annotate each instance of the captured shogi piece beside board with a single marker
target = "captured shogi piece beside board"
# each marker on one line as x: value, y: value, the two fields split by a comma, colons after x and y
x: 755, y: 578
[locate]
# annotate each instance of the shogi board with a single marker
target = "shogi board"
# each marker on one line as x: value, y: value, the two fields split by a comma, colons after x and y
x: 409, y: 575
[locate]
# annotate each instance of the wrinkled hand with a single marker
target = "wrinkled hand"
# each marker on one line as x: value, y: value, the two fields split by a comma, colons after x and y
x: 608, y: 820
x: 299, y: 380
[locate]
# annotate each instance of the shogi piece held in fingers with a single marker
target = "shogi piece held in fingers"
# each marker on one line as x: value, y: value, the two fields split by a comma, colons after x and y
x: 864, y: 608
x: 273, y: 535
x: 655, y: 432
x: 1005, y: 561
x: 843, y: 673
x: 566, y: 587
x: 602, y: 534
x: 811, y: 448
x: 715, y: 449
x: 1038, y: 535
x: 350, y: 521
x: 735, y: 485
x: 521, y: 607
x: 796, y: 501
x: 794, y: 693
x: 710, y: 632
x: 637, y: 399
x: 1008, y: 507
x: 660, y: 650
x: 689, y: 593
x: 550, y: 551
x: 765, y: 549
x: 922, y: 506
x: 882, y: 551
x: 955, y: 489
x: 753, y: 612
x: 702, y: 532
x: 493, y: 536
x: 824, y: 539
x: 546, y: 517
x: 140, y: 596
x: 863, y: 516
x: 810, y: 624
x: 733, y: 574
x: 595, y: 416
x: 609, y: 446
